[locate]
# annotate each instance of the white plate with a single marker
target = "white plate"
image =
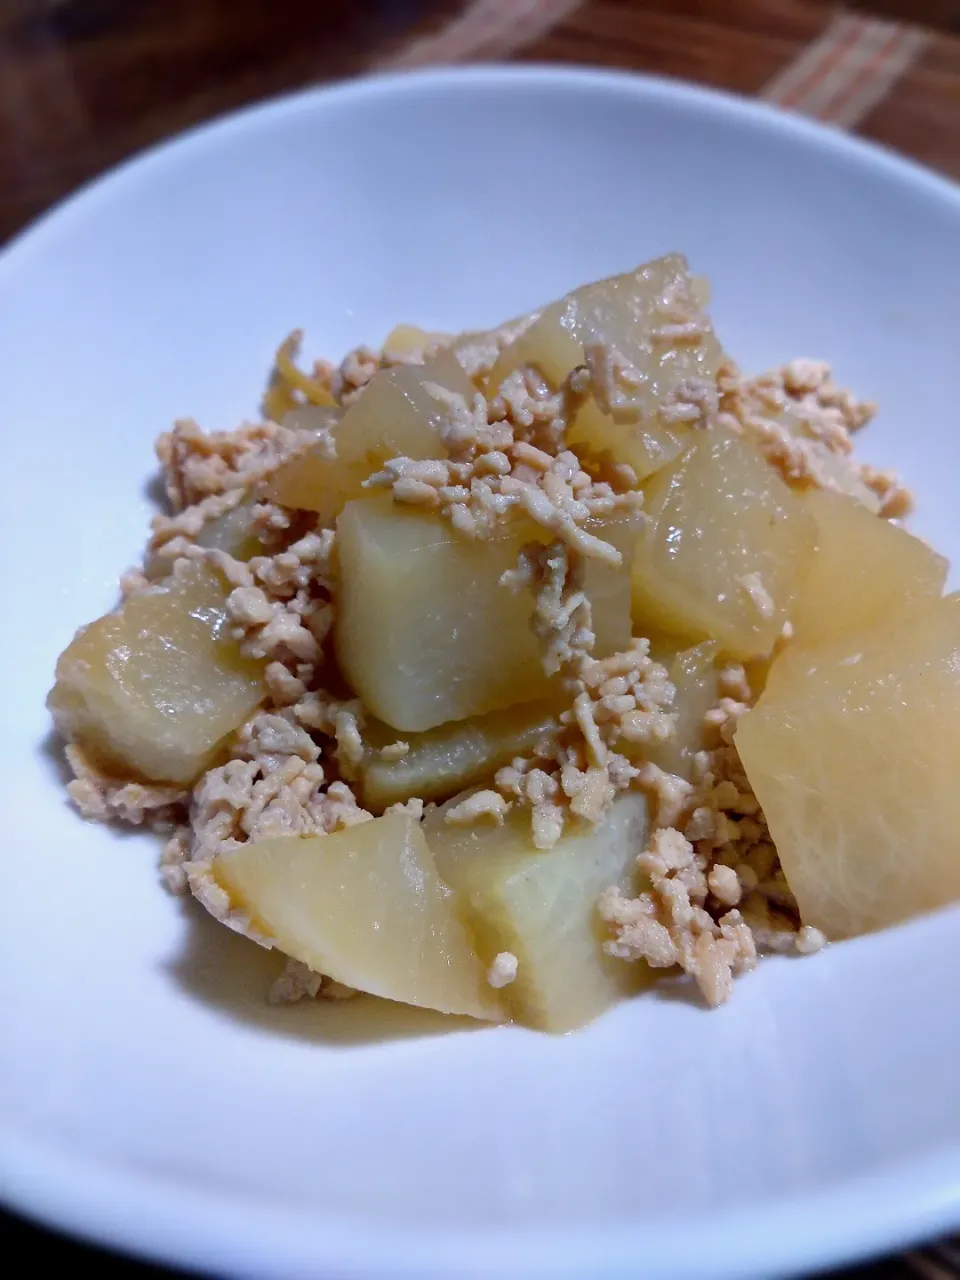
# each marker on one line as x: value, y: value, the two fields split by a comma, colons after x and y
x: 148, y: 1097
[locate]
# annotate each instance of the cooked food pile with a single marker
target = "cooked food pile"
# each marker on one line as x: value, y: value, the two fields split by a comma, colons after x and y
x: 502, y: 673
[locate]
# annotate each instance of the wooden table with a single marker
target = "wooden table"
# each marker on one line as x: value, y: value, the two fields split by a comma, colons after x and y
x: 86, y: 83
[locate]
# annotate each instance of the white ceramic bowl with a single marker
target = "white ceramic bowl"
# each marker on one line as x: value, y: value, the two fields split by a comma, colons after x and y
x: 148, y: 1097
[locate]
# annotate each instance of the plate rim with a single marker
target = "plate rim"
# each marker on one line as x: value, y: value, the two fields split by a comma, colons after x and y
x: 237, y: 1234
x: 863, y: 151
x: 903, y: 1202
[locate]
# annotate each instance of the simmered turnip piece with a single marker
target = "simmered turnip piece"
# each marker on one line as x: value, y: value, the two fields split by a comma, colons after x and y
x: 865, y: 570
x: 397, y: 415
x: 655, y: 346
x: 723, y: 547
x: 151, y: 690
x: 853, y: 751
x: 540, y: 906
x: 452, y: 756
x: 364, y: 906
x: 426, y: 632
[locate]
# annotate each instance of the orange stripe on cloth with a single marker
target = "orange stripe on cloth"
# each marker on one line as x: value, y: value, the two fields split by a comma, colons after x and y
x: 875, y: 83
x: 839, y: 78
x: 486, y: 29
x: 792, y: 85
x: 848, y: 70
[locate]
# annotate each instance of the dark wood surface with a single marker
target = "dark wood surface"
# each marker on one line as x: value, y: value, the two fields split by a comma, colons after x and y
x: 87, y: 83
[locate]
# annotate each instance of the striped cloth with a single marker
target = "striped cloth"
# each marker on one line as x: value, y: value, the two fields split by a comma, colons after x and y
x: 848, y: 70
x: 839, y: 78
